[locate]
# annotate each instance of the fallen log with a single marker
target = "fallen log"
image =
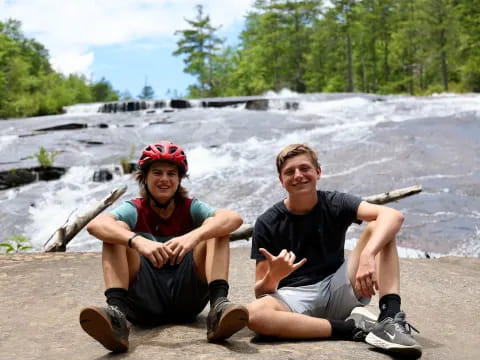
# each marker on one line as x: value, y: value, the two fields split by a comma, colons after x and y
x: 245, y: 231
x: 393, y: 195
x: 62, y: 236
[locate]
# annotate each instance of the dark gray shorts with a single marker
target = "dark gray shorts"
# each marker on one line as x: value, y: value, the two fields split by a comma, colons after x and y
x: 332, y: 298
x: 171, y: 294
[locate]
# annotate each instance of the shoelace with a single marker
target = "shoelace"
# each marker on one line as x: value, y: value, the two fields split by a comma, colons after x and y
x: 404, y: 326
x: 117, y: 315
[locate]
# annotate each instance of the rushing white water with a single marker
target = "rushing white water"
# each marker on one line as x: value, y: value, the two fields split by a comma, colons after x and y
x: 366, y: 145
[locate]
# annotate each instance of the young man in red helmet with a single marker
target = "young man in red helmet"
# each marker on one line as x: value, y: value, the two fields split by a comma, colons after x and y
x: 321, y: 295
x: 164, y: 256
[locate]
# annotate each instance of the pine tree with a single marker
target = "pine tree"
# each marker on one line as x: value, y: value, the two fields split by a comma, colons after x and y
x: 200, y: 45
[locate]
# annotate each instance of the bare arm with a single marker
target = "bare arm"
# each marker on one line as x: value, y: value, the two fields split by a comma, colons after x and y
x: 388, y: 222
x: 112, y: 231
x: 221, y: 224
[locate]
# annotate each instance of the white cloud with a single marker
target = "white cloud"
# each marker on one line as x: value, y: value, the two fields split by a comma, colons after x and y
x: 71, y: 29
x: 73, y: 62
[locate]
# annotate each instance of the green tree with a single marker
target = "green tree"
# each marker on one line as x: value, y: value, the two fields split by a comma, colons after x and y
x: 146, y: 93
x: 103, y: 91
x: 200, y: 46
x: 467, y: 13
x: 274, y: 44
x: 326, y: 65
x: 29, y: 86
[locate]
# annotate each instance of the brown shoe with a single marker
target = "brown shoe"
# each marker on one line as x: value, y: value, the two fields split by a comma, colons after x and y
x: 107, y: 325
x: 225, y: 319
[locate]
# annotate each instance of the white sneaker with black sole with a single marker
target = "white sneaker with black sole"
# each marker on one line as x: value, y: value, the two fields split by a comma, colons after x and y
x: 394, y: 335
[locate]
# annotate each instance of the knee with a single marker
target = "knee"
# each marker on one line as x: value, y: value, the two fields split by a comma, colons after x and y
x: 222, y: 241
x: 258, y: 317
x: 112, y: 249
x: 113, y: 254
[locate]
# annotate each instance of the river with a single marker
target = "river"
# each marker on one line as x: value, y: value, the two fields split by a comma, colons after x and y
x: 366, y: 144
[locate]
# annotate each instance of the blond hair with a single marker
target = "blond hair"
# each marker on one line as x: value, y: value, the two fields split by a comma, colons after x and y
x: 293, y: 150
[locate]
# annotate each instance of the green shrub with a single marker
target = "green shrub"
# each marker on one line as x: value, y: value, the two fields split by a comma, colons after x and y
x: 125, y: 161
x: 45, y: 158
x: 15, y: 243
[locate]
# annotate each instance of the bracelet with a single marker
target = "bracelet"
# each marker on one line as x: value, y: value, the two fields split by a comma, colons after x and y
x: 130, y: 240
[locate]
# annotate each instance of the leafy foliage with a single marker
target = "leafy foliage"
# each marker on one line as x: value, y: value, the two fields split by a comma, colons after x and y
x: 146, y: 93
x: 15, y: 244
x: 381, y: 46
x: 28, y: 84
x: 200, y: 45
x: 45, y: 158
x: 125, y: 161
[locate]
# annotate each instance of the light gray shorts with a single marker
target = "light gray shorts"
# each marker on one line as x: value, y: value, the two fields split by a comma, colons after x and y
x: 331, y: 298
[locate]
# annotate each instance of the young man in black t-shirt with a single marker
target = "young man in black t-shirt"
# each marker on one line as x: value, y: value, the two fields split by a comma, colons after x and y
x: 322, y: 295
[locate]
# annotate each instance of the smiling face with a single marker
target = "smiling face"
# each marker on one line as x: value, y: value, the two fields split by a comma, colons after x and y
x: 163, y: 180
x: 299, y: 175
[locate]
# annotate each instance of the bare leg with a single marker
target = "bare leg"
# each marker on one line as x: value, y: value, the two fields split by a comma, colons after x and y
x: 212, y: 258
x: 120, y: 265
x: 270, y: 317
x: 388, y: 268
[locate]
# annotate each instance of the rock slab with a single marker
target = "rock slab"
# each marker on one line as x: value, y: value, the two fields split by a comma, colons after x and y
x: 42, y: 294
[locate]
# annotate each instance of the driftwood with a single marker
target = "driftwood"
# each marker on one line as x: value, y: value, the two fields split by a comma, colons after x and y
x: 245, y: 231
x: 65, y: 233
x: 62, y: 236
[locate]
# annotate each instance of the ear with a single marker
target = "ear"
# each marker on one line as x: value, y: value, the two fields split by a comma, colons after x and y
x: 319, y: 172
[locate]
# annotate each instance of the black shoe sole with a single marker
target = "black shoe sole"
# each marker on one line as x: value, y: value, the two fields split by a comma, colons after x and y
x: 98, y: 326
x: 231, y: 321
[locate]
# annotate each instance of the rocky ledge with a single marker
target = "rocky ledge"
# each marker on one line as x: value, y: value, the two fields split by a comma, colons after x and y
x: 42, y: 294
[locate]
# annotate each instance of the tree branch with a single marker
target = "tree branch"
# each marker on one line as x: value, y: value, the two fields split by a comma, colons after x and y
x: 65, y: 233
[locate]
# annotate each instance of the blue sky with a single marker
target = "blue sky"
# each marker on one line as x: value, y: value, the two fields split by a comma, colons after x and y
x: 126, y: 41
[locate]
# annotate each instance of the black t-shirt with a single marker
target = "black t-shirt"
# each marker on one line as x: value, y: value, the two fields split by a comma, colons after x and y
x: 318, y: 235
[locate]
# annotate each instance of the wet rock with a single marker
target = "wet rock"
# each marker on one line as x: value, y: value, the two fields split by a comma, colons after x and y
x: 180, y: 104
x: 48, y: 173
x: 19, y: 177
x: 129, y: 167
x: 102, y: 175
x: 291, y: 105
x: 222, y: 103
x: 258, y: 104
x: 159, y: 104
x: 16, y: 177
x: 91, y: 142
x: 70, y: 126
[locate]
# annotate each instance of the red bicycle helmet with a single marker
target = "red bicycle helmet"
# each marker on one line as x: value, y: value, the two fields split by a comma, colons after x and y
x: 164, y: 150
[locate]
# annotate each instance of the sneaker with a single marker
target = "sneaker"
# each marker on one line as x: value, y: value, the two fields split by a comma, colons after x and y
x: 364, y: 322
x: 224, y: 319
x: 107, y: 325
x: 394, y: 335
